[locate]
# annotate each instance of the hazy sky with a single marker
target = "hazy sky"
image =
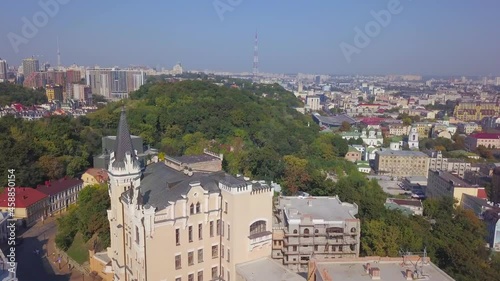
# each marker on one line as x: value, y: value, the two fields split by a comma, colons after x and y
x: 445, y: 37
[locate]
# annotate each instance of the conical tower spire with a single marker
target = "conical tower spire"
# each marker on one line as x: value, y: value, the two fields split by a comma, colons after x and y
x: 123, y: 142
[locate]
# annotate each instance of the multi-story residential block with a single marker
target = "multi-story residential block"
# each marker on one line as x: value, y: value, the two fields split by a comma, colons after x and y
x: 323, y: 227
x: 62, y: 193
x: 30, y: 66
x: 423, y: 128
x: 443, y: 183
x: 54, y: 93
x: 457, y: 166
x: 31, y: 205
x: 3, y: 70
x: 468, y: 128
x: 81, y: 92
x: 313, y: 102
x: 401, y: 163
x: 167, y: 224
x: 399, y: 130
x: 114, y: 83
x: 490, y: 123
x: 475, y: 111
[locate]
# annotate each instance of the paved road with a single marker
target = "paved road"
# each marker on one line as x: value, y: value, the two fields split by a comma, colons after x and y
x: 33, y: 267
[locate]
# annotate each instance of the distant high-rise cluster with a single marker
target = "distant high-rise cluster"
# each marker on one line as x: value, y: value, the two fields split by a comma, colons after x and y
x: 114, y: 83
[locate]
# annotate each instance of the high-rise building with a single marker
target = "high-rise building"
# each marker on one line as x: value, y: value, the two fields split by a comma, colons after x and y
x: 182, y: 218
x: 30, y: 65
x: 3, y: 70
x: 113, y: 83
x: 81, y: 92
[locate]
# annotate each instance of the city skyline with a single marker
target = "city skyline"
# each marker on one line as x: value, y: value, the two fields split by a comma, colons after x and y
x: 423, y: 37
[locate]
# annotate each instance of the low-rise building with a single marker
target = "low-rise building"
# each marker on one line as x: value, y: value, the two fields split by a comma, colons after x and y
x: 492, y: 220
x: 31, y: 205
x: 410, y: 206
x: 488, y: 140
x: 443, y: 183
x: 476, y: 204
x: 364, y: 167
x: 401, y: 163
x: 94, y: 176
x: 321, y: 226
x: 376, y: 268
x: 353, y: 154
x: 468, y: 128
x: 62, y: 193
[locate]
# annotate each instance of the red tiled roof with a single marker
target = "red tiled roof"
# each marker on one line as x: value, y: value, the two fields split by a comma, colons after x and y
x: 54, y: 187
x: 485, y: 136
x: 370, y: 104
x: 481, y: 193
x: 25, y: 197
x: 100, y: 175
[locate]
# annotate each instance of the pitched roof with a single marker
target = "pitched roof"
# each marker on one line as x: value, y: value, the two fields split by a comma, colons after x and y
x: 123, y: 142
x: 54, y: 187
x: 485, y: 136
x: 100, y: 175
x: 25, y: 197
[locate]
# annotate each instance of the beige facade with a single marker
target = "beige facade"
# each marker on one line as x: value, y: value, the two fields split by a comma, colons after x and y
x: 169, y: 224
x: 31, y: 205
x: 399, y: 130
x: 438, y: 162
x: 442, y: 183
x: 322, y: 227
x: 398, y: 163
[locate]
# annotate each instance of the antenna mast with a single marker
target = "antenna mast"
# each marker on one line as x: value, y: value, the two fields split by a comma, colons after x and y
x: 58, y: 55
x: 256, y: 56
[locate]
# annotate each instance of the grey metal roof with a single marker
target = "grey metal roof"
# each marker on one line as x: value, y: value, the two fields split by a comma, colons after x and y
x: 124, y: 142
x: 161, y: 184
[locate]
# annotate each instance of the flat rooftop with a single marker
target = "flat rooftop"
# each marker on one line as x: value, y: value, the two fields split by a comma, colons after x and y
x: 317, y: 208
x: 391, y: 270
x: 407, y: 153
x: 447, y: 176
x: 266, y: 269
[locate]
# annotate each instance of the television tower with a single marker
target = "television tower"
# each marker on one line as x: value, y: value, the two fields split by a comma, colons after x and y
x: 58, y: 55
x: 256, y: 56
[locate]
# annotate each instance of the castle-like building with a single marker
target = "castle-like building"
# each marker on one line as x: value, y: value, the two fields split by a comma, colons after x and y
x: 182, y: 218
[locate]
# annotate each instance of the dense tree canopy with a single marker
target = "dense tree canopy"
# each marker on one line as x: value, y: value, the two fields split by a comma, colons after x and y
x: 12, y: 93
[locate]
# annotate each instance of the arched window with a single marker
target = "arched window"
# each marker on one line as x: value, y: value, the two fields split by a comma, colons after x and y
x: 316, y: 231
x: 353, y: 229
x: 191, y: 209
x: 295, y: 231
x: 257, y: 227
x: 198, y: 207
x: 306, y: 232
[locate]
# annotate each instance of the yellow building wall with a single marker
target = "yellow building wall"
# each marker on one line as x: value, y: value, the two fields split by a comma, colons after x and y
x: 459, y: 191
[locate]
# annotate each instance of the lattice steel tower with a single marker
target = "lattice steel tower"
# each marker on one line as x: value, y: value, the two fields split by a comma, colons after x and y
x: 256, y: 56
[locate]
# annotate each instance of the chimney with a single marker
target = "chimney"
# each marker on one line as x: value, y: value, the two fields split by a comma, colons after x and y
x: 309, y: 203
x: 409, y: 274
x: 367, y: 268
x: 375, y: 273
